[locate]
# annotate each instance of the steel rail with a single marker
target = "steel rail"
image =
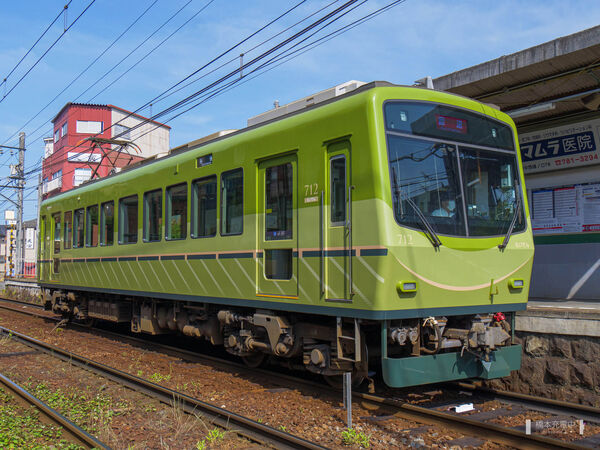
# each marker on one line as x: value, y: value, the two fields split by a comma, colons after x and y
x: 463, y: 424
x: 73, y: 432
x: 585, y: 412
x: 243, y: 426
x: 493, y: 432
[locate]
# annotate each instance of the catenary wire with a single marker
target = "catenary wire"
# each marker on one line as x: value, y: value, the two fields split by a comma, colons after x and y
x: 46, y: 52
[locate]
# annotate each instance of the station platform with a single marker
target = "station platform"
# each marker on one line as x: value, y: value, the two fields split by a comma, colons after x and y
x: 562, y: 317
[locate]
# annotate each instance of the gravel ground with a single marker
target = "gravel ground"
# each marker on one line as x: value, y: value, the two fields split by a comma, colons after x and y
x: 309, y: 414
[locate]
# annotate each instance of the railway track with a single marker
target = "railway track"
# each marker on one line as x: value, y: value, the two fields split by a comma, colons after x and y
x: 71, y: 432
x: 246, y: 428
x: 390, y: 407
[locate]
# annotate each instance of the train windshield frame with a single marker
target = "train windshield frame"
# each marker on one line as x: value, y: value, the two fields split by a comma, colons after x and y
x: 457, y: 169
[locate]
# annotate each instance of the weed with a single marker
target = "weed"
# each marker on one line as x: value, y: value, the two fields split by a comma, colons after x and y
x: 282, y: 428
x: 215, y: 435
x: 140, y: 373
x: 351, y: 437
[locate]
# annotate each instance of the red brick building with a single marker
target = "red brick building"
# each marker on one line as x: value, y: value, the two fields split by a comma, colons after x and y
x: 70, y: 159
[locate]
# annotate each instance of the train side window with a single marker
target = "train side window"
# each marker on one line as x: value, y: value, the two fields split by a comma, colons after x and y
x: 68, y: 229
x: 56, y: 218
x: 176, y: 221
x: 107, y: 223
x: 153, y: 216
x: 128, y: 220
x: 338, y: 190
x: 279, y: 202
x: 204, y: 207
x: 78, y: 229
x: 232, y: 202
x: 91, y: 226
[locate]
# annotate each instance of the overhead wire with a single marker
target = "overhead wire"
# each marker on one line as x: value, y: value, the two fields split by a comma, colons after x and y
x: 307, y: 47
x: 46, y: 52
x: 102, y: 53
x: 62, y: 11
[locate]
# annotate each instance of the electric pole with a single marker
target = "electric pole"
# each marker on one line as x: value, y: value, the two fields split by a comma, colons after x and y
x: 20, y: 175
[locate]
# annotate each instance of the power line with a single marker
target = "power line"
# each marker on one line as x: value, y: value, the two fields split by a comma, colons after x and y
x: 129, y: 27
x: 46, y: 52
x: 62, y: 11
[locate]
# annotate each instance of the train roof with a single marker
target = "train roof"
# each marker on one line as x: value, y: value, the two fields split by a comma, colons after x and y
x: 177, y: 151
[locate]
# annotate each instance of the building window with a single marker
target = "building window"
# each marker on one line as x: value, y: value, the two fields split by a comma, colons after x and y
x: 107, y: 223
x: 122, y: 132
x: 232, y: 202
x: 68, y: 229
x: 56, y: 135
x: 88, y: 127
x: 153, y: 216
x: 128, y: 220
x: 56, y: 218
x: 81, y: 175
x: 64, y: 129
x: 91, y: 226
x: 78, y: 225
x: 204, y: 207
x: 176, y: 221
x: 278, y: 202
x: 57, y: 175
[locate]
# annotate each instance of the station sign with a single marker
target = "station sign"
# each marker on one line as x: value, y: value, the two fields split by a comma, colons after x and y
x: 563, y: 147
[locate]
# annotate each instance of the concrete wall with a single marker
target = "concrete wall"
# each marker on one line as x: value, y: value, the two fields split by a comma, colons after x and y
x: 150, y: 138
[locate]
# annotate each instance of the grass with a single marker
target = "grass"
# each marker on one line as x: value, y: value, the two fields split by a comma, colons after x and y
x: 21, y: 428
x: 353, y: 437
x: 93, y: 413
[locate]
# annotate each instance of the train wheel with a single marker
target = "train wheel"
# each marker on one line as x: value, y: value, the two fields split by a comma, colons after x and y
x: 89, y: 322
x: 254, y: 360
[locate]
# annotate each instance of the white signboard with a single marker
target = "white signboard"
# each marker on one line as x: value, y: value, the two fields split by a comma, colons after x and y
x: 84, y: 157
x: 561, y: 147
x: 569, y: 209
x: 9, y: 215
x: 29, y: 237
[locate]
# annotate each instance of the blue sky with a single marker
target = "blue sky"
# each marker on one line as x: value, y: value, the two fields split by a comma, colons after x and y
x: 412, y: 40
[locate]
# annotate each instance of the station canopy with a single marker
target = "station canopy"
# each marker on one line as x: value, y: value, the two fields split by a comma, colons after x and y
x: 557, y: 79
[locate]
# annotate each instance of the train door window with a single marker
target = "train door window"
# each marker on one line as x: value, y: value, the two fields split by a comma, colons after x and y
x: 204, y: 207
x: 176, y: 221
x: 91, y: 226
x: 68, y: 229
x: 78, y: 229
x: 278, y: 264
x: 153, y: 216
x: 232, y: 202
x: 338, y: 190
x: 56, y: 218
x: 278, y: 202
x: 128, y: 220
x: 107, y: 223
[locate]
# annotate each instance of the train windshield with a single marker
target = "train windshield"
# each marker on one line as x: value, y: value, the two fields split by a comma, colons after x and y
x: 455, y: 170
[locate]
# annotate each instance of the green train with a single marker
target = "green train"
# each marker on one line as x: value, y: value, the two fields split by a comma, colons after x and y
x: 385, y: 229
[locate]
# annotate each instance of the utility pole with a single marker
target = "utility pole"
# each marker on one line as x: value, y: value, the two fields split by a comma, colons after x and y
x: 20, y: 175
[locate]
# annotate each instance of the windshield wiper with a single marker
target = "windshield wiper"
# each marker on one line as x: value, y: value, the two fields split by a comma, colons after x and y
x: 513, y: 222
x: 430, y: 232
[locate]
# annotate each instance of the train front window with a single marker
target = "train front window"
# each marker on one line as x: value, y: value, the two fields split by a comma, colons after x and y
x: 425, y: 179
x: 439, y: 183
x: 490, y: 180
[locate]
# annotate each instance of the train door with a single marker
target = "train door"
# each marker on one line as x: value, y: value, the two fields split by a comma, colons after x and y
x: 338, y: 224
x: 277, y: 237
x: 54, y: 245
x: 45, y: 243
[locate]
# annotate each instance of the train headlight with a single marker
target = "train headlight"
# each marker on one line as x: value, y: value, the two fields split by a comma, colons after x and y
x: 516, y: 283
x: 406, y: 286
